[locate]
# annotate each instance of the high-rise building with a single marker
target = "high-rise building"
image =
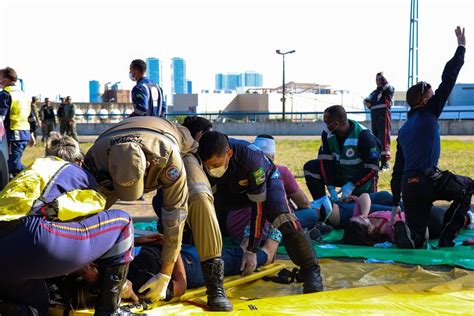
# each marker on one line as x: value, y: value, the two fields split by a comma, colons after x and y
x: 94, y: 92
x: 189, y: 85
x: 232, y: 81
x: 153, y: 69
x: 220, y: 82
x: 251, y: 79
x: 178, y: 76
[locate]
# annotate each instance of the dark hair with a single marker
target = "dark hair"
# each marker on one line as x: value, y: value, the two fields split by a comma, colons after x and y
x: 356, y: 233
x: 337, y: 113
x: 77, y: 292
x: 138, y: 64
x: 265, y: 136
x: 196, y: 124
x: 382, y: 77
x: 9, y: 73
x: 415, y: 93
x: 212, y: 144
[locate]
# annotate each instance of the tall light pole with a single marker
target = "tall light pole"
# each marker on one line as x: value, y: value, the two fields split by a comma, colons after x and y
x: 283, y: 99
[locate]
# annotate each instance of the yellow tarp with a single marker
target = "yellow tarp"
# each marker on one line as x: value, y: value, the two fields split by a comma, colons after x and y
x: 350, y: 287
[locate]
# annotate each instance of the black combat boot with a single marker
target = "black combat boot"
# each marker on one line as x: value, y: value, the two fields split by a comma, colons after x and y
x: 111, y: 281
x: 213, y: 271
x: 299, y: 249
x: 8, y: 308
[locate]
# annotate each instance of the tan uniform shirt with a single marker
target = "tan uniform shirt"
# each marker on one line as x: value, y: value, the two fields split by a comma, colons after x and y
x: 163, y: 144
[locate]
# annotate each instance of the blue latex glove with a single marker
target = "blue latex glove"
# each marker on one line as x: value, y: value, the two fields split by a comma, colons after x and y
x: 347, y: 190
x: 333, y: 193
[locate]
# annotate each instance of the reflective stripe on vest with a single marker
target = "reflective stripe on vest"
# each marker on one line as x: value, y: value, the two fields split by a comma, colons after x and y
x: 19, y: 109
x: 349, y: 157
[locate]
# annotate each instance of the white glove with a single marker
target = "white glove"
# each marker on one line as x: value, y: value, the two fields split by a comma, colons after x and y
x: 157, y: 286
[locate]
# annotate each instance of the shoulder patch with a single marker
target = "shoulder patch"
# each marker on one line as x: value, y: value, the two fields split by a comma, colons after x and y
x: 172, y: 173
x: 259, y: 175
x: 374, y: 152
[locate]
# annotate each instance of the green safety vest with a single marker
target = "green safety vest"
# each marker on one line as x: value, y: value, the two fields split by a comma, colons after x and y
x: 349, y: 159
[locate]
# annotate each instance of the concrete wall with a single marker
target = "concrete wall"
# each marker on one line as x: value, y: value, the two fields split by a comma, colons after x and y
x: 465, y: 127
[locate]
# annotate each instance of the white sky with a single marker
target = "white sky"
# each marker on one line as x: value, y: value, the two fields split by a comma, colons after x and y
x: 58, y: 46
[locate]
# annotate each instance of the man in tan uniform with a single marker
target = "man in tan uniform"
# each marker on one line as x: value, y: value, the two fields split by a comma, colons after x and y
x: 142, y: 154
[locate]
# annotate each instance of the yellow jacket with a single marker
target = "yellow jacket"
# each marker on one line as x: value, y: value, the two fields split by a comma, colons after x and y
x: 19, y: 109
x: 53, y: 187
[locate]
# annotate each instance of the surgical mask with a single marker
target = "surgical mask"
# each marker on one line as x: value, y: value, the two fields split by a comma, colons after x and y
x: 217, y: 172
x: 130, y: 75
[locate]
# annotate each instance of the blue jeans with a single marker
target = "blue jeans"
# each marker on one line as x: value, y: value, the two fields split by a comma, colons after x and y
x: 307, y: 217
x: 232, y: 258
x: 16, y: 149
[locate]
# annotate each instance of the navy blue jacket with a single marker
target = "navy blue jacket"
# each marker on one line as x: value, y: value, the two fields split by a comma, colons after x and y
x: 145, y: 104
x: 418, y: 143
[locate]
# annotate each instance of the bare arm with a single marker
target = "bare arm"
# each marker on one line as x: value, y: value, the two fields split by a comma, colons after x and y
x: 300, y: 199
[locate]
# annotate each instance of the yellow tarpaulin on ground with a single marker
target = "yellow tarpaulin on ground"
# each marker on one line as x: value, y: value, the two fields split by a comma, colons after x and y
x: 350, y: 287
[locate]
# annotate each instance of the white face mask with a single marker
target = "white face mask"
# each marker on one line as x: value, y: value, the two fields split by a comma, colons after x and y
x: 131, y: 77
x: 217, y: 172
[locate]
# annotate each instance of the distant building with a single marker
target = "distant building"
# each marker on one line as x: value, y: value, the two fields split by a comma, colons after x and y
x: 232, y: 81
x: 220, y: 81
x: 178, y: 76
x: 153, y: 68
x: 94, y: 92
x: 251, y: 79
x: 117, y: 96
x: 189, y: 85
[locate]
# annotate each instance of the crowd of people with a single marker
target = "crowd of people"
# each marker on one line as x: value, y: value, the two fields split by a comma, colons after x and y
x: 208, y: 185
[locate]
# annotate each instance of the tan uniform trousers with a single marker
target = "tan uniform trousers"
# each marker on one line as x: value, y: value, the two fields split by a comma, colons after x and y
x: 202, y: 216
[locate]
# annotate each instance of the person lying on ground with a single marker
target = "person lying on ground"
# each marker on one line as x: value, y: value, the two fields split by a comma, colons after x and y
x: 337, y: 214
x: 79, y: 289
x: 368, y: 228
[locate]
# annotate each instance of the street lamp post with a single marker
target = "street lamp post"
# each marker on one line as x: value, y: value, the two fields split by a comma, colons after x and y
x: 283, y: 99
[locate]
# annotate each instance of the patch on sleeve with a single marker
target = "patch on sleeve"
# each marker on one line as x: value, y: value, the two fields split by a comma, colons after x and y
x: 259, y: 175
x: 374, y: 153
x: 172, y: 173
x: 139, y: 96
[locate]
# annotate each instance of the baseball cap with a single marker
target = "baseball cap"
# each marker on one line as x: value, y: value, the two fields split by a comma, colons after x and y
x: 127, y: 164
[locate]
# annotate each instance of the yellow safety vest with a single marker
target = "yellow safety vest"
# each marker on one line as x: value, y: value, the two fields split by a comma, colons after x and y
x: 25, y: 191
x: 19, y: 110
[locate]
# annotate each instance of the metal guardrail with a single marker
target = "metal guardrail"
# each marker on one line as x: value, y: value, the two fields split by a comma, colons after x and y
x: 273, y: 116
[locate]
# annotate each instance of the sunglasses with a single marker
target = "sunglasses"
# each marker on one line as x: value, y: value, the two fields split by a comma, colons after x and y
x: 424, y: 86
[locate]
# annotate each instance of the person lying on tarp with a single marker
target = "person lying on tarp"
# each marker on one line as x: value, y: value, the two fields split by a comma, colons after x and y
x: 371, y: 225
x: 236, y: 220
x: 78, y: 290
x: 52, y: 222
x: 337, y: 214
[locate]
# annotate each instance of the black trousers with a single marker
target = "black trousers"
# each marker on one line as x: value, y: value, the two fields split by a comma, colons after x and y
x: 313, y: 174
x: 419, y: 191
x: 381, y: 128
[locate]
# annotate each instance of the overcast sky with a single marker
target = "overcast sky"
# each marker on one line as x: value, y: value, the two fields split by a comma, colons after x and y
x: 58, y: 46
